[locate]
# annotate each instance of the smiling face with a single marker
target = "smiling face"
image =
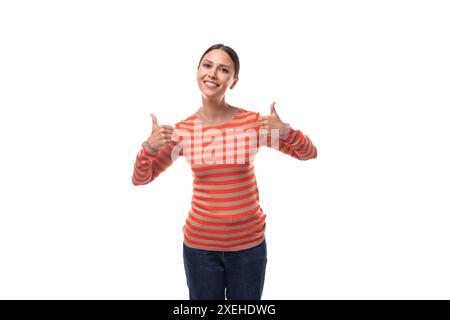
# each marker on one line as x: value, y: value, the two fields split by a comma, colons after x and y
x: 215, y: 74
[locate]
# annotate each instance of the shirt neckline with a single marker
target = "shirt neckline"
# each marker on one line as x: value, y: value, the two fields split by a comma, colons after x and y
x: 228, y: 119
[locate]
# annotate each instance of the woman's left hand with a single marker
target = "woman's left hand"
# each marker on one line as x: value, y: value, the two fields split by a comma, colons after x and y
x: 273, y: 121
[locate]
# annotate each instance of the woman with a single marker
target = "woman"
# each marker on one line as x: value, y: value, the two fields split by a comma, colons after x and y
x: 224, y: 247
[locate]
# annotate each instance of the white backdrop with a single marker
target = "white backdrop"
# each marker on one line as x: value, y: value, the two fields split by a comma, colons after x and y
x: 367, y: 81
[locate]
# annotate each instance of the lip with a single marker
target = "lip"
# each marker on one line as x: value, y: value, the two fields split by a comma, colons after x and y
x: 205, y: 81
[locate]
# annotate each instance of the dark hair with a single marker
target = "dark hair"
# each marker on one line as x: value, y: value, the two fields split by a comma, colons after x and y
x: 233, y: 55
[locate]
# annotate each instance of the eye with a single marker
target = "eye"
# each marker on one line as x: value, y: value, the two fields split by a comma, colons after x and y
x: 206, y: 65
x: 226, y: 70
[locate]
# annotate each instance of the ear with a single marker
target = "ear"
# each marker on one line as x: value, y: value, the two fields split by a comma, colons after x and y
x: 234, y: 83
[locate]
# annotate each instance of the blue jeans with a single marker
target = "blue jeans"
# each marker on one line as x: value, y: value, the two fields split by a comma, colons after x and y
x: 212, y: 275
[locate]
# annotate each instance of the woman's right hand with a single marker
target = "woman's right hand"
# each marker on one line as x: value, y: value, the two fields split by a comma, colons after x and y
x: 161, y: 134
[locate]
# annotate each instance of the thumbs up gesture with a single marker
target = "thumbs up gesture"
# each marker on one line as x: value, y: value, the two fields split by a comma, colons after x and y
x: 161, y: 134
x: 273, y: 121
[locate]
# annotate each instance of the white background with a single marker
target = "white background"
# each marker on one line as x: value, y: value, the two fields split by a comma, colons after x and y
x: 367, y: 81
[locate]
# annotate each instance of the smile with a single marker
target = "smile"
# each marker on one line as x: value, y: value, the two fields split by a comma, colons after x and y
x: 210, y: 84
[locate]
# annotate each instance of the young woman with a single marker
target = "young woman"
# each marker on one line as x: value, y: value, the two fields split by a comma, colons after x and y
x: 224, y: 247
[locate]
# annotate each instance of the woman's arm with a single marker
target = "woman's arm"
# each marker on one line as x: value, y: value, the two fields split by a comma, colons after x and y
x: 285, y: 139
x: 155, y: 155
x: 296, y: 144
x: 150, y: 162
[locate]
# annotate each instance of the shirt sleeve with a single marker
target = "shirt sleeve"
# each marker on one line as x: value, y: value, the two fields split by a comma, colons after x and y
x: 150, y: 163
x: 293, y: 143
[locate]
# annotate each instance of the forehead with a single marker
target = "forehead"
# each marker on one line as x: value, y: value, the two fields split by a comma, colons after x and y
x: 219, y: 57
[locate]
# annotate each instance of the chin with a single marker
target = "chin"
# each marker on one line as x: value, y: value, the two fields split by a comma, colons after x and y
x: 209, y: 95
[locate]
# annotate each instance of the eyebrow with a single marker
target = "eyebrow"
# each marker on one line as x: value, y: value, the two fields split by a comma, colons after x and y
x: 223, y: 65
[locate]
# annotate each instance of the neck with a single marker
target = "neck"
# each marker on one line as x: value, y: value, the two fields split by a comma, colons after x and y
x: 215, y: 109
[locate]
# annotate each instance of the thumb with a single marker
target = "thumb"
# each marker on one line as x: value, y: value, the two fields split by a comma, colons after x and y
x: 154, y: 121
x: 272, y: 108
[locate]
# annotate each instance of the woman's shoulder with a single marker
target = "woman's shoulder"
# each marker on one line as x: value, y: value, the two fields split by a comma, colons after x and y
x: 189, y: 120
x: 245, y: 117
x: 244, y: 113
x: 241, y: 114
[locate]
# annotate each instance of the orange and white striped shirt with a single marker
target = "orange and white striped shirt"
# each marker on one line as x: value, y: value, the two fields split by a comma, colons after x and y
x: 225, y: 214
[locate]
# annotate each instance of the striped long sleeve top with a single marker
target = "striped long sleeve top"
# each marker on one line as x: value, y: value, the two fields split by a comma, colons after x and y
x: 225, y: 214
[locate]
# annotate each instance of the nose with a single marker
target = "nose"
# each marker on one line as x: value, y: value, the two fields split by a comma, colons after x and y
x: 212, y: 74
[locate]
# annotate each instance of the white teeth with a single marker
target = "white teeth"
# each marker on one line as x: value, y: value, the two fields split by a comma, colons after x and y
x: 210, y: 84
